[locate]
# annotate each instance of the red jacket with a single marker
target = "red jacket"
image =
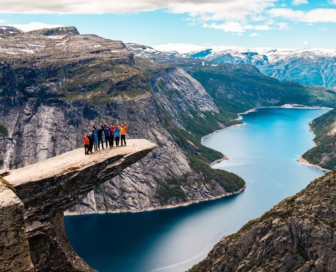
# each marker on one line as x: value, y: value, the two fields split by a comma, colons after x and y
x: 86, y: 140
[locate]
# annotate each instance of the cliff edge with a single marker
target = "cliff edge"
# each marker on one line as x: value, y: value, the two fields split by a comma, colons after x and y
x: 33, y: 199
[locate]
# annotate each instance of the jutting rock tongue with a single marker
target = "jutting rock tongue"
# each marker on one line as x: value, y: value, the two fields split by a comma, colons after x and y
x: 48, y: 188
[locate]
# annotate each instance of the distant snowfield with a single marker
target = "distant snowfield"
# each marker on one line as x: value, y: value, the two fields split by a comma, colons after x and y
x: 184, y: 48
x: 309, y: 66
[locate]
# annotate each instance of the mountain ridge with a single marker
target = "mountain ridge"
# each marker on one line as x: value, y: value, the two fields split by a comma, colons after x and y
x: 310, y: 66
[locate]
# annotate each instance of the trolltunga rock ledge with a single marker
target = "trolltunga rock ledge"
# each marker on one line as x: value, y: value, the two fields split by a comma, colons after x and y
x: 47, y: 189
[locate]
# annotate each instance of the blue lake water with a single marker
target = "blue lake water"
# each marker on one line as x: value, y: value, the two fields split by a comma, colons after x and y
x: 264, y: 152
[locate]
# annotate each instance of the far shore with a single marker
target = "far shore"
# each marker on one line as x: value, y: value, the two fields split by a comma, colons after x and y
x: 305, y: 162
x: 285, y: 106
x: 66, y: 213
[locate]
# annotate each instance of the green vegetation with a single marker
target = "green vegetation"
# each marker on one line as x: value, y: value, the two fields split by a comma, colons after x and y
x: 7, y: 184
x: 18, y: 133
x: 229, y: 181
x: 3, y: 130
x: 1, y: 162
x: 196, y: 268
x: 324, y: 154
x: 170, y: 189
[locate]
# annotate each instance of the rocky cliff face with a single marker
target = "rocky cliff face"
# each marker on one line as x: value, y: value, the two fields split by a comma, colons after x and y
x: 33, y: 199
x: 55, y: 83
x: 298, y: 234
x: 14, y: 247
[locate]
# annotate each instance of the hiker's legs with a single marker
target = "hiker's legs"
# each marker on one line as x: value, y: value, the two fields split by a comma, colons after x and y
x: 100, y: 140
x: 111, y: 141
x: 95, y: 143
x: 86, y: 147
x: 107, y: 140
x: 123, y: 141
x: 117, y: 141
x: 90, y: 146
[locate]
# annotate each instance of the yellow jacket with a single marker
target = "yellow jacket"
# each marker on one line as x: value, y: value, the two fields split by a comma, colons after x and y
x: 123, y: 129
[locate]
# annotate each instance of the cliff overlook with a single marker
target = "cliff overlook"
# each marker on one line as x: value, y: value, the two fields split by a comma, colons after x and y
x: 33, y: 199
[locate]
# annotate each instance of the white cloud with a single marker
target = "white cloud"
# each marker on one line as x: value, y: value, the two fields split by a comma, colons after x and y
x: 237, y: 27
x: 2, y: 21
x: 229, y: 26
x: 312, y: 16
x: 254, y: 34
x: 305, y: 42
x: 33, y: 26
x: 299, y: 2
x: 206, y: 9
x: 282, y: 26
x: 262, y: 27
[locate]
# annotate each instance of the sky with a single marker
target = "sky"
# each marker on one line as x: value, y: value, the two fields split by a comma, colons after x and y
x: 244, y: 23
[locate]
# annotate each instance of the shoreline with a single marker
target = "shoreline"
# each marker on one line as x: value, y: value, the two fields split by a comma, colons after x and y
x: 185, y: 204
x: 225, y: 158
x: 302, y: 161
x: 285, y: 106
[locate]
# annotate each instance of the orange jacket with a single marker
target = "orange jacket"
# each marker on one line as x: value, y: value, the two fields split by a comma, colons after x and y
x: 86, y: 140
x: 123, y: 129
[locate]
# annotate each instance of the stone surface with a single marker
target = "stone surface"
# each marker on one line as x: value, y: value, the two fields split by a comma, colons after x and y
x: 14, y: 247
x: 298, y: 234
x: 43, y: 191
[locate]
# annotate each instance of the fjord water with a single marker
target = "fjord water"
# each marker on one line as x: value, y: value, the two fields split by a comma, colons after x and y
x: 264, y: 152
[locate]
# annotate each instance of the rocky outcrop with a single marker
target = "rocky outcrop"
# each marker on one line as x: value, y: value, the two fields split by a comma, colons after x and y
x: 14, y: 247
x: 9, y: 31
x: 34, y: 211
x: 298, y: 234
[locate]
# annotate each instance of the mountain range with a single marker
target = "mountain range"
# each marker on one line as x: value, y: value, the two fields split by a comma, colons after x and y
x: 306, y: 66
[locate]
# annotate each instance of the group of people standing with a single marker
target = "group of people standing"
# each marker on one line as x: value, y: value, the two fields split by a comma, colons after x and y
x: 94, y: 138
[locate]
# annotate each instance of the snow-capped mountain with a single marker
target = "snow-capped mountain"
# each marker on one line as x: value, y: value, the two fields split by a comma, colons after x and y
x: 307, y: 66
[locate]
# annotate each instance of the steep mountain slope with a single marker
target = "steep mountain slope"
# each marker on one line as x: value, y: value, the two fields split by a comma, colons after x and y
x: 55, y: 82
x: 298, y: 234
x: 306, y: 66
x: 324, y: 153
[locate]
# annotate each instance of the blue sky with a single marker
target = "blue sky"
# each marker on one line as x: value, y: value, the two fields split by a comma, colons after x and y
x: 247, y: 23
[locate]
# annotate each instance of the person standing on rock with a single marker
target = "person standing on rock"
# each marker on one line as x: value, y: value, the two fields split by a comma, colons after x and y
x: 95, y: 139
x: 100, y: 136
x: 123, y: 130
x: 117, y: 134
x: 107, y: 135
x: 86, y: 143
x: 90, y: 142
x: 112, y: 129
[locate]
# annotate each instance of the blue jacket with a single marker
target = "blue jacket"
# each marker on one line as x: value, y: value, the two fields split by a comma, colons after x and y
x: 95, y: 135
x: 117, y: 132
x: 107, y: 131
